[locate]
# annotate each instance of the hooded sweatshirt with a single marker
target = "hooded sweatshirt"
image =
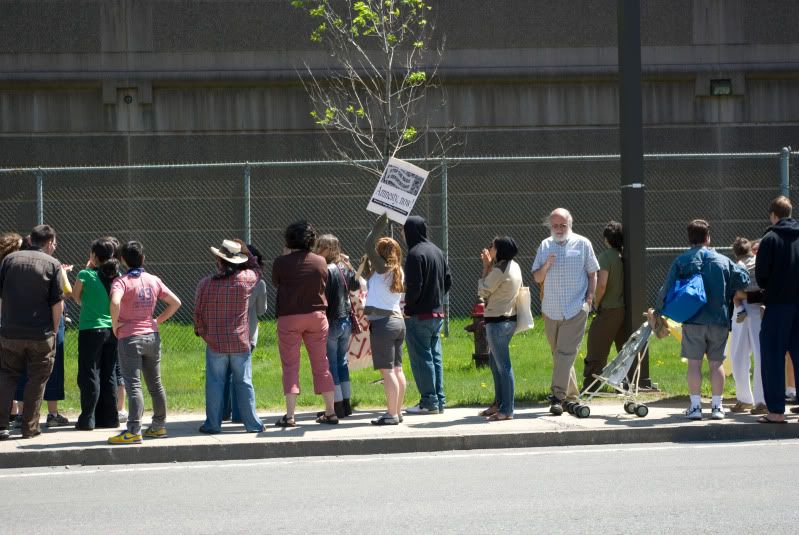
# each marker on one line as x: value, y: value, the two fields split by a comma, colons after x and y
x: 427, y: 277
x: 777, y: 265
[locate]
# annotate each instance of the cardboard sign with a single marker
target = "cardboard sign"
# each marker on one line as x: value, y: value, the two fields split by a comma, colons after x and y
x: 397, y: 190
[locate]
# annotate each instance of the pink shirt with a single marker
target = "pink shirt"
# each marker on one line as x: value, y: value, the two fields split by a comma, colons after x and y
x: 139, y: 297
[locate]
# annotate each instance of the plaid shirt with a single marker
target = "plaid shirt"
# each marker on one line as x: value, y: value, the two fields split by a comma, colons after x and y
x: 566, y: 284
x: 220, y: 311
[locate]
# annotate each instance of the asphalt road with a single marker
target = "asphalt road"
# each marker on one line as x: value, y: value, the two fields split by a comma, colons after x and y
x: 746, y: 487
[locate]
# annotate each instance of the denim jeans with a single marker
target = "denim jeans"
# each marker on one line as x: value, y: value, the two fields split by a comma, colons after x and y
x: 423, y: 338
x: 498, y: 336
x: 216, y: 370
x: 140, y: 355
x: 338, y: 342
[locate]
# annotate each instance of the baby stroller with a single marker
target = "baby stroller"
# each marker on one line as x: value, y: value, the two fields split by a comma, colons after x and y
x: 615, y: 376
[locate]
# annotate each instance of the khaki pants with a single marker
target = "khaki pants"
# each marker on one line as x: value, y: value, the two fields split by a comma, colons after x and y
x: 564, y: 337
x: 35, y: 356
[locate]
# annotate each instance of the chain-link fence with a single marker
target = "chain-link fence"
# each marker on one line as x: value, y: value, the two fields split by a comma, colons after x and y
x: 179, y: 211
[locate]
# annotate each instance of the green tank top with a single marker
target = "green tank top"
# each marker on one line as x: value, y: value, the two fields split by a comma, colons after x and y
x: 94, y: 302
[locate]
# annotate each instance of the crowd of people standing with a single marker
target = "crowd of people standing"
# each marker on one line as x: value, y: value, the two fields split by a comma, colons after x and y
x: 119, y: 341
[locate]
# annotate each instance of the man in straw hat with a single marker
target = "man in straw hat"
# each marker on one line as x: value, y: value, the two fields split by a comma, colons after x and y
x: 221, y: 319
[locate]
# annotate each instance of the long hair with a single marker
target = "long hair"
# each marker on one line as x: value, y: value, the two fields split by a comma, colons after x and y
x: 506, y: 250
x: 389, y: 250
x: 331, y: 247
x: 10, y: 242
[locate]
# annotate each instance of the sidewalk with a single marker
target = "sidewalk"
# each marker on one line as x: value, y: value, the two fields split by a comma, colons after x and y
x: 456, y: 429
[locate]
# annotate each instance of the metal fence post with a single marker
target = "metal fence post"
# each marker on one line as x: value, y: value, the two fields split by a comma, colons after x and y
x: 247, y: 218
x: 39, y: 197
x: 445, y: 236
x: 785, y: 171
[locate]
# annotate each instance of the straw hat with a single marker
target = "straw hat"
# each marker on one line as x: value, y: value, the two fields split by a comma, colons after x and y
x: 230, y: 252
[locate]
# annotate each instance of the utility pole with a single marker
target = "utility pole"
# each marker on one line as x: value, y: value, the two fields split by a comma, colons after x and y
x: 632, y: 170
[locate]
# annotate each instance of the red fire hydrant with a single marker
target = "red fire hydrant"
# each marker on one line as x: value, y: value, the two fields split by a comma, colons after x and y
x: 478, y: 329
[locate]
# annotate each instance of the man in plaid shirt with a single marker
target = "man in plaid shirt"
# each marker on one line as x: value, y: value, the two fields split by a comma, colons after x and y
x: 221, y: 319
x: 566, y: 265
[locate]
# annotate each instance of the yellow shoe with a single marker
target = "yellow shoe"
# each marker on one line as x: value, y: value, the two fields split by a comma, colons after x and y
x: 155, y: 433
x: 125, y: 438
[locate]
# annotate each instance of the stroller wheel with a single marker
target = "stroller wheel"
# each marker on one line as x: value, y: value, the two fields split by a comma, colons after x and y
x: 582, y: 411
x: 629, y: 407
x: 641, y: 410
x: 569, y: 406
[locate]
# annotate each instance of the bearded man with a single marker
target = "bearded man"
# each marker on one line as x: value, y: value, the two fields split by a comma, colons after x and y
x: 566, y: 265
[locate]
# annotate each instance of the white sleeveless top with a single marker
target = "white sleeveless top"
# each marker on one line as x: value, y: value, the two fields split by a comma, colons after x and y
x: 380, y: 294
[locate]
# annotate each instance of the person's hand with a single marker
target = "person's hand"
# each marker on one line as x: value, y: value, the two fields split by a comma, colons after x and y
x: 485, y: 257
x: 90, y: 263
x: 115, y: 329
x: 67, y: 267
x: 550, y: 260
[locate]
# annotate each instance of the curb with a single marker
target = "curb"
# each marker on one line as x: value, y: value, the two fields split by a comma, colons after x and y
x: 268, y: 449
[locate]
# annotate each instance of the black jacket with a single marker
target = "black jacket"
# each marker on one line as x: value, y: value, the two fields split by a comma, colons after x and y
x: 427, y: 277
x: 338, y: 297
x: 777, y: 265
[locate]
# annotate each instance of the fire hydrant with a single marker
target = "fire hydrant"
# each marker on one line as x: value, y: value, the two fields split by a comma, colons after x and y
x: 478, y: 328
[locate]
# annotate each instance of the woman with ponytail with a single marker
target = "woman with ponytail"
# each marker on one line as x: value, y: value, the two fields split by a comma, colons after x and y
x: 386, y: 323
x: 97, y: 345
x: 608, y: 324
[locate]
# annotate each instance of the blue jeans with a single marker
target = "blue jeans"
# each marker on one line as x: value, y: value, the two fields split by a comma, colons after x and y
x: 338, y: 342
x: 498, y: 336
x: 423, y: 338
x: 216, y: 370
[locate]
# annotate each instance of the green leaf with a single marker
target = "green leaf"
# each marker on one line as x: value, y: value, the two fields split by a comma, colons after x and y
x: 417, y: 77
x: 418, y: 44
x: 409, y: 134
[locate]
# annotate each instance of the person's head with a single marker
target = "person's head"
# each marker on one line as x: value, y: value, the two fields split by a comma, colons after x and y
x: 104, y: 254
x: 504, y: 249
x: 256, y: 254
x: 117, y: 245
x: 560, y: 223
x: 132, y: 254
x: 414, y: 230
x: 755, y: 246
x: 698, y: 232
x: 780, y: 208
x: 741, y: 248
x: 43, y: 237
x: 613, y: 235
x: 9, y: 242
x: 389, y: 250
x: 300, y: 235
x: 230, y: 258
x: 327, y: 246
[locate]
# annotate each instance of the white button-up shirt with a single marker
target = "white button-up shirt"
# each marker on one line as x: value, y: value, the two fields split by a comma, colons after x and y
x: 566, y: 283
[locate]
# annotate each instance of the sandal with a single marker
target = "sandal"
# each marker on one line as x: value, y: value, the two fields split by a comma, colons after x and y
x: 386, y: 419
x: 490, y: 411
x: 499, y: 417
x: 285, y: 421
x: 330, y: 419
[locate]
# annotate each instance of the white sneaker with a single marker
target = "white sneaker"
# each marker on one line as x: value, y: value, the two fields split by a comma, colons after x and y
x: 123, y: 416
x: 418, y: 409
x: 693, y: 413
x: 717, y: 413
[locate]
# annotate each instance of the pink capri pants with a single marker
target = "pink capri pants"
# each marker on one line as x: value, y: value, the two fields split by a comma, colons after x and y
x: 292, y: 331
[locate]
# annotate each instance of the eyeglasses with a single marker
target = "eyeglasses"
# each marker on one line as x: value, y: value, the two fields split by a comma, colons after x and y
x: 559, y: 225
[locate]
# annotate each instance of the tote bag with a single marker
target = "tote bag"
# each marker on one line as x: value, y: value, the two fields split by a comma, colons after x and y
x: 685, y: 298
x: 524, y: 314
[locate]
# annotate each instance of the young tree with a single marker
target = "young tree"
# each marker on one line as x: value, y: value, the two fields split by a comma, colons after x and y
x: 384, y: 59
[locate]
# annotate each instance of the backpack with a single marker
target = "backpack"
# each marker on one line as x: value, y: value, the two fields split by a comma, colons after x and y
x: 685, y: 298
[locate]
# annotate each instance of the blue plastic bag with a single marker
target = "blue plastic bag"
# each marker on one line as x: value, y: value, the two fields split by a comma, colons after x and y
x: 685, y: 298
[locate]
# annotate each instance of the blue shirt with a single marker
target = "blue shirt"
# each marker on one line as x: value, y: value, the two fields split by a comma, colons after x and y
x: 720, y: 276
x: 566, y: 283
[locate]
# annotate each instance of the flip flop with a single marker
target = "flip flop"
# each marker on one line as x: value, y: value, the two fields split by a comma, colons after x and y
x: 765, y: 420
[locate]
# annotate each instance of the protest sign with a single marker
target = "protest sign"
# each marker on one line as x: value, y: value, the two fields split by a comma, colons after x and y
x: 397, y: 190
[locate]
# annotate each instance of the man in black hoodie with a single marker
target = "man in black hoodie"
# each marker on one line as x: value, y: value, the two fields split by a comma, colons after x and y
x: 777, y: 273
x: 427, y: 280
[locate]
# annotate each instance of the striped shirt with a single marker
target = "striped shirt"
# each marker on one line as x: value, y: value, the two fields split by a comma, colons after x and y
x: 566, y: 283
x: 220, y: 311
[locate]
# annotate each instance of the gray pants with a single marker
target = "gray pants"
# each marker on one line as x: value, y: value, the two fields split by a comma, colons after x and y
x: 564, y: 337
x: 143, y: 353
